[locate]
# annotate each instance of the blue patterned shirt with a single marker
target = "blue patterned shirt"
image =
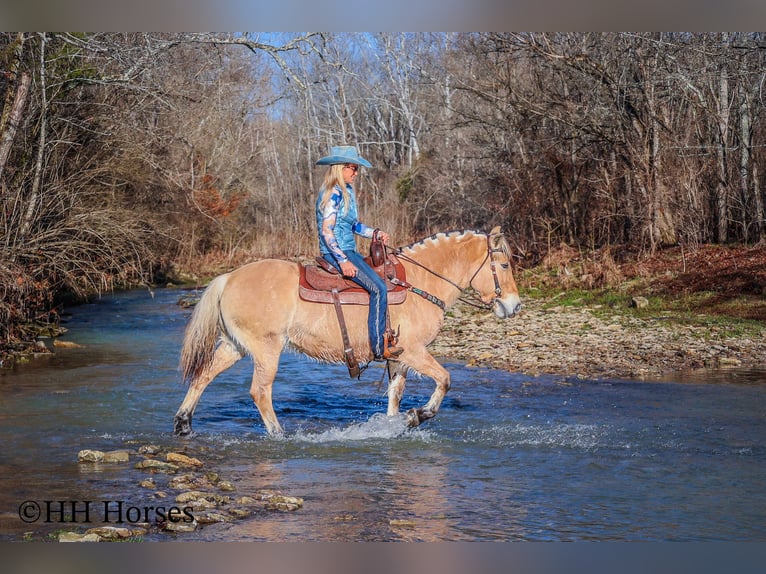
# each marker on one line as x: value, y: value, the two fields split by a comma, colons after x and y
x: 338, y: 224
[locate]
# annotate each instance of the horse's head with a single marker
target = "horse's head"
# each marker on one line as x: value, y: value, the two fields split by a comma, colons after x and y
x: 494, y: 281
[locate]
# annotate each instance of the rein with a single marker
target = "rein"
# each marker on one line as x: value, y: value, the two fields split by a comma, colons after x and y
x: 473, y: 300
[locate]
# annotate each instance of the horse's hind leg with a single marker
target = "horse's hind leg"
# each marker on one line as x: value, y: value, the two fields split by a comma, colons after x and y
x: 223, y: 358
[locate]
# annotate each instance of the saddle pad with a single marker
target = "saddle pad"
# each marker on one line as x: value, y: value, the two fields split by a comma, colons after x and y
x: 316, y: 285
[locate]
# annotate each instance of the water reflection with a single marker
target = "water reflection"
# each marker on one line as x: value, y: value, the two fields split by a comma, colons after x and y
x: 731, y: 375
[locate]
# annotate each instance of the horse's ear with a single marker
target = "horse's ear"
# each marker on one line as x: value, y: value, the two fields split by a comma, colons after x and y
x: 495, y: 230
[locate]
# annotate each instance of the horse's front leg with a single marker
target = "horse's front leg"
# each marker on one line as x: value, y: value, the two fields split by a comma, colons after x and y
x: 398, y: 377
x: 425, y: 364
x: 266, y: 362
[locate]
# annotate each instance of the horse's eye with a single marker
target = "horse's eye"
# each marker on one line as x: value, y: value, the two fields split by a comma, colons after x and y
x: 505, y: 265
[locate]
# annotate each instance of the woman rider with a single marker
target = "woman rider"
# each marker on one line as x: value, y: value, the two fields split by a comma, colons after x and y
x: 338, y: 223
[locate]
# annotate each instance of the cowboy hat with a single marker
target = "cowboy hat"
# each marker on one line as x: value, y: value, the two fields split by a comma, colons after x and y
x: 343, y: 154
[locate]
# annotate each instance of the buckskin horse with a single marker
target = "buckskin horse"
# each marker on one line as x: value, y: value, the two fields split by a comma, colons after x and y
x: 257, y: 310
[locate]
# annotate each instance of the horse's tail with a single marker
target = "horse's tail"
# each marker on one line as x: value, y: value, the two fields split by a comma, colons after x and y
x: 202, y: 331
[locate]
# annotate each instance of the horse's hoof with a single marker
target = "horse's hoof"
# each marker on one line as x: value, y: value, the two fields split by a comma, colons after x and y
x: 182, y: 426
x: 417, y: 416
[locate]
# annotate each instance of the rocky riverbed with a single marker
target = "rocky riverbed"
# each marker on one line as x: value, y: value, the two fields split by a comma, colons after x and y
x: 546, y: 338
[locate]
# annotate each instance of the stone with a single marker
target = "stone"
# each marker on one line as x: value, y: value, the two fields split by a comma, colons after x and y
x: 66, y: 344
x: 77, y: 537
x: 284, y: 503
x: 180, y: 526
x: 110, y: 532
x: 182, y: 459
x: 212, y: 517
x: 200, y: 496
x: 240, y: 512
x: 639, y: 302
x: 88, y: 455
x: 116, y: 456
x: 153, y: 464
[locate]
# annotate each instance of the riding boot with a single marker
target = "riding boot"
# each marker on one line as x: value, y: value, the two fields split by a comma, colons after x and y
x: 390, y: 349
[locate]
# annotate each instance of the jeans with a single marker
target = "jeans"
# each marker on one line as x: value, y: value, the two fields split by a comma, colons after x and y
x: 376, y: 287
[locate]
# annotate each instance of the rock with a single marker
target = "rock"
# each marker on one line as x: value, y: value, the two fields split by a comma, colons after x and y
x: 187, y: 482
x: 212, y: 517
x: 193, y: 495
x: 226, y: 486
x: 77, y: 537
x: 284, y: 503
x: 240, y: 512
x: 187, y: 301
x: 639, y: 302
x: 198, y: 496
x: 153, y: 464
x: 148, y: 483
x: 180, y: 526
x: 116, y: 456
x: 88, y: 455
x: 110, y: 532
x: 182, y: 459
x: 401, y: 523
x: 150, y: 449
x: 66, y: 344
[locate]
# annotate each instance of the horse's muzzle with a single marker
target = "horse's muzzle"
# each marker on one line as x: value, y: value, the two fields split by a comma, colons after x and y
x: 508, y: 308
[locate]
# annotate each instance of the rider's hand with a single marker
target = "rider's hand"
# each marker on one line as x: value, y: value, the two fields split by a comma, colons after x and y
x: 348, y: 269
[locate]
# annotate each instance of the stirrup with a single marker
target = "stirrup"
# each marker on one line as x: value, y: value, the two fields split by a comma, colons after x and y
x: 391, y: 353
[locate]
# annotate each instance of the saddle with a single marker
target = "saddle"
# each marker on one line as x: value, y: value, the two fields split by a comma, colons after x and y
x: 319, y: 281
x: 323, y: 283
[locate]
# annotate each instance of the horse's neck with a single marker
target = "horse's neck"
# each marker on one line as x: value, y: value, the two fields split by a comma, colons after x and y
x: 452, y: 256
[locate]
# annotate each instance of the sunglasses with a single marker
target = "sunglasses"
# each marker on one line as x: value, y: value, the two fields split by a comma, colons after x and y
x: 354, y: 168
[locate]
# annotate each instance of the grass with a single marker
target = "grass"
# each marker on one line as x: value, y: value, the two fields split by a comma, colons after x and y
x: 707, y: 310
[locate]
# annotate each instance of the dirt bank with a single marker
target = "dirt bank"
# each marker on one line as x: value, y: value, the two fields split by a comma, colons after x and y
x: 556, y: 339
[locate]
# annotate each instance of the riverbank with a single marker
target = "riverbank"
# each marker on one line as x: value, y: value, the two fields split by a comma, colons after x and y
x: 594, y: 341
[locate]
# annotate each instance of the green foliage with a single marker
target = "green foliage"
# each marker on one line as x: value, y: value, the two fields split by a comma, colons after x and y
x: 404, y: 185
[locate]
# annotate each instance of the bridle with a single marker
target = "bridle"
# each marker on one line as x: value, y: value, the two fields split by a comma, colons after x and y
x: 471, y: 300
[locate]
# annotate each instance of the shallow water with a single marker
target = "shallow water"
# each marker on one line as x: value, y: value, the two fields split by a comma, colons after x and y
x: 509, y: 457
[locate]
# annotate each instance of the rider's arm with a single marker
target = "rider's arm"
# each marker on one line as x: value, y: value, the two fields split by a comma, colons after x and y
x: 364, y: 230
x: 329, y: 218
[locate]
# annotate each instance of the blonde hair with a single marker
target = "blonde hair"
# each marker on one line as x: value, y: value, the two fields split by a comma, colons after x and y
x: 332, y: 177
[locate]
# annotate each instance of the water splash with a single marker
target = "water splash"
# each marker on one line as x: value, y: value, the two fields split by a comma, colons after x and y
x: 378, y: 427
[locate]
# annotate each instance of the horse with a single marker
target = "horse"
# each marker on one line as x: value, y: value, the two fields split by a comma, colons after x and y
x: 256, y: 310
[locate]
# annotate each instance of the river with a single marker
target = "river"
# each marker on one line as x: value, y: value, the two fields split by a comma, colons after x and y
x: 509, y: 457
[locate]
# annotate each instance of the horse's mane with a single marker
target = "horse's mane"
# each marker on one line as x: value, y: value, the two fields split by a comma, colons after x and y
x: 443, y: 234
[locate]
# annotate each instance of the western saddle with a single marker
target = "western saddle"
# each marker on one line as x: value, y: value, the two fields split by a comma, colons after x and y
x: 323, y: 283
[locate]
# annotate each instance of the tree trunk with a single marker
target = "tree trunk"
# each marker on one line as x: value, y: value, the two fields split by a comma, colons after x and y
x: 745, y: 144
x: 13, y: 108
x: 34, y: 196
x: 722, y: 187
